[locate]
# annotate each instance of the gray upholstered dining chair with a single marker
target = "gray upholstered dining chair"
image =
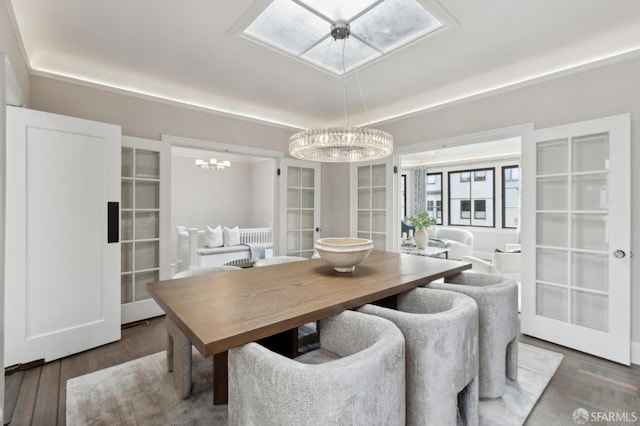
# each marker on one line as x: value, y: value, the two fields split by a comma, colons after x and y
x: 356, y: 378
x: 441, y: 342
x: 177, y: 343
x: 497, y: 299
x: 276, y: 260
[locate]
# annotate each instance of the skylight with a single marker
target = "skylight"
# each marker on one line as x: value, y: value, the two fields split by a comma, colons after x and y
x: 301, y: 28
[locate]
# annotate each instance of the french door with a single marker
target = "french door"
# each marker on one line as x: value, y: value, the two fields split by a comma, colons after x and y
x: 145, y: 224
x: 373, y: 215
x: 298, y: 204
x: 62, y: 249
x: 576, y: 236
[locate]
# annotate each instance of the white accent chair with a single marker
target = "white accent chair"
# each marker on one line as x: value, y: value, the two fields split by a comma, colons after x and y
x: 497, y: 299
x: 356, y: 377
x: 458, y: 241
x: 441, y: 343
x: 178, y: 346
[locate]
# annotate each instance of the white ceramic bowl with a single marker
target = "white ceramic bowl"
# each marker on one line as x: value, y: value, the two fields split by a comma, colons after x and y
x: 344, y: 253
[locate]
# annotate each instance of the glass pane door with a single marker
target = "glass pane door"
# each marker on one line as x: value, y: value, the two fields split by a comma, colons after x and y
x: 372, y: 196
x: 300, y: 214
x: 143, y: 224
x: 572, y: 216
x: 576, y: 208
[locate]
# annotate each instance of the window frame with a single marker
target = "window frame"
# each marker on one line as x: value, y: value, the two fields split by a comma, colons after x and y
x: 403, y: 192
x: 504, y: 192
x: 469, y: 172
x: 438, y: 216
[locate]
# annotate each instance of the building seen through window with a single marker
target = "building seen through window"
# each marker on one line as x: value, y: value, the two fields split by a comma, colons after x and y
x: 471, y: 197
x: 434, y: 196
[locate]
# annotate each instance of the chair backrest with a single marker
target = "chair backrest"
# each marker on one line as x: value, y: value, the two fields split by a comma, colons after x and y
x: 194, y: 272
x: 276, y: 260
x: 365, y: 384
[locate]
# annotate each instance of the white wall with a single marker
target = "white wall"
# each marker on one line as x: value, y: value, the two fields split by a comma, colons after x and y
x: 219, y: 197
x: 262, y: 187
x: 10, y: 46
x: 149, y: 119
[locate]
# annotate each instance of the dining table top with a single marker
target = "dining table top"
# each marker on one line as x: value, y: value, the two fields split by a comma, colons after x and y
x: 223, y: 310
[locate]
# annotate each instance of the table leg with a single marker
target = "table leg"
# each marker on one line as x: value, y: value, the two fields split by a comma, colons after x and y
x: 179, y: 357
x: 285, y: 343
x: 220, y: 378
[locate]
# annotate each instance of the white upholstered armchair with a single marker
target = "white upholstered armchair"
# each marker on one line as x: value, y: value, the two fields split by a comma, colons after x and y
x: 502, y: 263
x: 458, y: 241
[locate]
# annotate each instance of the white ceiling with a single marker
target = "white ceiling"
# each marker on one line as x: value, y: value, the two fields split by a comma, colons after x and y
x: 191, y: 52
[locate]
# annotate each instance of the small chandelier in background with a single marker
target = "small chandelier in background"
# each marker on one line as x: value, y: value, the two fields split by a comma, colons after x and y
x: 341, y: 144
x: 213, y: 164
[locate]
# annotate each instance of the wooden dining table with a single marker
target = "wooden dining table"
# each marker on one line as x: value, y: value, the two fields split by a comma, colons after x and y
x: 220, y: 311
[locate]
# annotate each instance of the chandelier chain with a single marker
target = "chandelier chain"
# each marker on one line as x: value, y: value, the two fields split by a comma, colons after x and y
x: 344, y: 82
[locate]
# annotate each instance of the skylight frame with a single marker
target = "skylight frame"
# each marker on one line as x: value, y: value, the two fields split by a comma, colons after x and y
x: 431, y: 8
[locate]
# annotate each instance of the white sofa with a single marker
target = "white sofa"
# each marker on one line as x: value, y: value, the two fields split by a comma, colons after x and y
x: 458, y: 241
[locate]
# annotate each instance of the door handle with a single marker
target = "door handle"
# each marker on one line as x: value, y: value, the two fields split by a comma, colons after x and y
x: 113, y: 222
x: 318, y: 229
x: 619, y: 254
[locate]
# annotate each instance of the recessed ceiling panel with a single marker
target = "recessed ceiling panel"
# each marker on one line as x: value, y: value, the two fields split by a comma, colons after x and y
x: 394, y: 23
x: 373, y: 28
x: 288, y: 26
x: 328, y: 54
x: 339, y: 10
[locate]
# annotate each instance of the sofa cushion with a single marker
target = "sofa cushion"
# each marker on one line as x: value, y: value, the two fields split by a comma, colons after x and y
x: 213, y: 237
x: 231, y: 236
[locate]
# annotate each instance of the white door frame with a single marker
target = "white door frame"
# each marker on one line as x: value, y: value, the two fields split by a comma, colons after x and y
x: 184, y: 142
x: 450, y: 142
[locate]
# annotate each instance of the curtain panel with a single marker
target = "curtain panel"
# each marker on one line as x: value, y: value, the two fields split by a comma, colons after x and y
x: 419, y: 190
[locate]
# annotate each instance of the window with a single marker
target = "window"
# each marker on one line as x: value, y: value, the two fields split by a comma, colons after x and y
x: 465, y: 209
x: 510, y: 196
x: 471, y: 201
x: 434, y: 196
x: 480, y: 209
x: 480, y: 176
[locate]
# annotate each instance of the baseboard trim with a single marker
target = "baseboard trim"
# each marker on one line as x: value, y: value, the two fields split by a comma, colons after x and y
x: 635, y: 353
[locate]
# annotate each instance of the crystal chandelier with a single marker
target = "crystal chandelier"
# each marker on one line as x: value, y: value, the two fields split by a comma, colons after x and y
x: 341, y: 144
x: 213, y: 164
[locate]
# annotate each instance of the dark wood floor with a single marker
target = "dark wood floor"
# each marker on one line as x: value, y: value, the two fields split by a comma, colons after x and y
x: 37, y: 396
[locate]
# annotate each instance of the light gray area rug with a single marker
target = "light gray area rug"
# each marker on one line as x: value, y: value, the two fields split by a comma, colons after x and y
x: 140, y: 392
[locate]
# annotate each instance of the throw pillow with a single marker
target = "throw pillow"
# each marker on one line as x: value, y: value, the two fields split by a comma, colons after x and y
x: 231, y: 236
x: 213, y: 237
